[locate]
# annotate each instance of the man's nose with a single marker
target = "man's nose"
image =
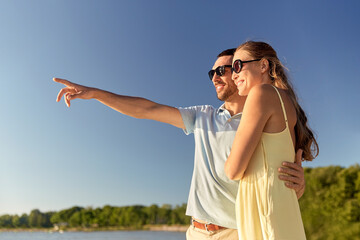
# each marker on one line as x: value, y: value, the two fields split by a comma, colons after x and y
x: 216, y: 78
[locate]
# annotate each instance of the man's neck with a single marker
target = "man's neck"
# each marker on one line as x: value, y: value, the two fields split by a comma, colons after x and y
x: 235, y: 105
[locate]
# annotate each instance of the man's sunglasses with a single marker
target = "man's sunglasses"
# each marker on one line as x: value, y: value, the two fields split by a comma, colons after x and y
x: 220, y: 70
x: 238, y: 64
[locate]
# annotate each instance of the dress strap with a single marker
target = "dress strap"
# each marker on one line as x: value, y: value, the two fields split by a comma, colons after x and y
x: 282, y: 106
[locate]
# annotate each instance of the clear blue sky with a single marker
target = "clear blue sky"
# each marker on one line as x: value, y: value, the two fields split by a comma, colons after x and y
x: 53, y: 157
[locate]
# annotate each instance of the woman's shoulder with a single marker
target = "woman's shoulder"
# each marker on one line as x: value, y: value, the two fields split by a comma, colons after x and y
x: 267, y: 98
x: 264, y: 92
x: 262, y: 89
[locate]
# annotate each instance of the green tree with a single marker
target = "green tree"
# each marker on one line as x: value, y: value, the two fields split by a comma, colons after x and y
x: 6, y: 221
x: 64, y: 215
x: 135, y: 216
x: 38, y: 219
x: 104, y: 216
x: 152, y: 214
x: 16, y: 221
x: 87, y: 217
x: 24, y: 221
x: 330, y: 205
x: 164, y: 214
x: 178, y: 215
x: 75, y: 220
x: 35, y: 218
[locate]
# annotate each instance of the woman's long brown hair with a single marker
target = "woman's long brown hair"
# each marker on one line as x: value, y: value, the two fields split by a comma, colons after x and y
x: 305, y: 139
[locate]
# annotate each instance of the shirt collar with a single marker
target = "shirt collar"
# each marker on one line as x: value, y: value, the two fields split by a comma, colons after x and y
x: 223, y: 109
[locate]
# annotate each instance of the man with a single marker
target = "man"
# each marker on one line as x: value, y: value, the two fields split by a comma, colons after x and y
x: 212, y: 195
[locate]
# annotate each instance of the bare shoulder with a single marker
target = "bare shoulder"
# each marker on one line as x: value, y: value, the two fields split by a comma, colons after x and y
x: 262, y: 90
x: 264, y: 93
x: 285, y: 96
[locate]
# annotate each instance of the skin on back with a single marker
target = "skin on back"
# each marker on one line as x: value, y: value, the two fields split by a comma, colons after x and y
x: 276, y: 122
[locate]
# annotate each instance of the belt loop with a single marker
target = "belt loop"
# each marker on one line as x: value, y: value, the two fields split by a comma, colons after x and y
x: 206, y: 227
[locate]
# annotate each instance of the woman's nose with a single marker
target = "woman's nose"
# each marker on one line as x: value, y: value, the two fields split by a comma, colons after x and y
x: 234, y: 76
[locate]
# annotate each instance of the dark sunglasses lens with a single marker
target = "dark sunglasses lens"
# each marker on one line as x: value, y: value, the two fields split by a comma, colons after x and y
x: 237, y: 66
x: 211, y: 74
x: 220, y: 70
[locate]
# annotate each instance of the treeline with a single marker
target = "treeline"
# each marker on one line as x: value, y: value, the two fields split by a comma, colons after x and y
x: 129, y: 217
x: 330, y: 209
x: 330, y: 206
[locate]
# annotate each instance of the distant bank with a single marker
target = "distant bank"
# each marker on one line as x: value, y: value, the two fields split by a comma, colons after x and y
x: 161, y: 228
x: 330, y: 209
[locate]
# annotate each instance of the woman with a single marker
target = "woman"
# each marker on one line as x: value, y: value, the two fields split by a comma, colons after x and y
x: 273, y: 126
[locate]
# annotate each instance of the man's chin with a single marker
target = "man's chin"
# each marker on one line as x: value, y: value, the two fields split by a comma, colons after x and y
x: 224, y: 95
x: 220, y: 96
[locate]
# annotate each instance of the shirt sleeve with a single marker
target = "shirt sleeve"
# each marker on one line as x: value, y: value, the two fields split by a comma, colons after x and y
x: 188, y: 115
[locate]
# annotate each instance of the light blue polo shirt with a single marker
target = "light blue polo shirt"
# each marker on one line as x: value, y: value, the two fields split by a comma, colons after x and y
x: 212, y: 195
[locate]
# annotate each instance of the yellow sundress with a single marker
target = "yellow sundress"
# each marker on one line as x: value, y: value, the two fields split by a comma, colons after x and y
x: 265, y: 208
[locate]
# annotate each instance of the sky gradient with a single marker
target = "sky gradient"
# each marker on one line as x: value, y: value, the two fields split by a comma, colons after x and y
x: 53, y: 157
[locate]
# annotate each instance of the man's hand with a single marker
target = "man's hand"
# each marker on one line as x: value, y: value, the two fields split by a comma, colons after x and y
x: 72, y: 91
x: 136, y: 107
x: 293, y: 174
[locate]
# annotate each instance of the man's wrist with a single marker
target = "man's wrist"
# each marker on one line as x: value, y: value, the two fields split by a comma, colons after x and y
x: 96, y: 93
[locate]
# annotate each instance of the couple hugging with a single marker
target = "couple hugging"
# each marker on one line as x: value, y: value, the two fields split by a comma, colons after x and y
x: 247, y: 174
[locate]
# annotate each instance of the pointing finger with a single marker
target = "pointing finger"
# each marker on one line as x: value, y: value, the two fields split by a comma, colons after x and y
x: 63, y: 81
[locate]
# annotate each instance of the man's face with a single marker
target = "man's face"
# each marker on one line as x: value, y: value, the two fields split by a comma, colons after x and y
x: 224, y: 85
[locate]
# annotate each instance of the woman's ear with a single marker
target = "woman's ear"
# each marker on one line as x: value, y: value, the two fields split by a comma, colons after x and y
x: 264, y: 64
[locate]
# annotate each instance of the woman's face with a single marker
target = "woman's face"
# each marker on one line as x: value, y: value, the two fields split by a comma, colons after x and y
x: 249, y: 75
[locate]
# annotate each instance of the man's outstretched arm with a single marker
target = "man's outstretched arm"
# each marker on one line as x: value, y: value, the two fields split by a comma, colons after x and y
x: 293, y: 174
x: 131, y: 106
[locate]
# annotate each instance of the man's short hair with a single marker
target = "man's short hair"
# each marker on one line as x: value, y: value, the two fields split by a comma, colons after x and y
x: 227, y: 52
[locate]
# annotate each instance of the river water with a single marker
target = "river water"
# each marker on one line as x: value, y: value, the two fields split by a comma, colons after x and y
x: 116, y: 235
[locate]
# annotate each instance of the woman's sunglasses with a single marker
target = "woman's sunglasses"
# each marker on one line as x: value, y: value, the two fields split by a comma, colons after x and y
x: 220, y: 70
x: 238, y: 64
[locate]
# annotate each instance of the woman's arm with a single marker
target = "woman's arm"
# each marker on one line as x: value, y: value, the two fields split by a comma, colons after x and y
x: 256, y: 113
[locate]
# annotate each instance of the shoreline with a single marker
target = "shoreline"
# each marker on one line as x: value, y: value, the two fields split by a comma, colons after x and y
x: 169, y: 228
x: 153, y: 228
